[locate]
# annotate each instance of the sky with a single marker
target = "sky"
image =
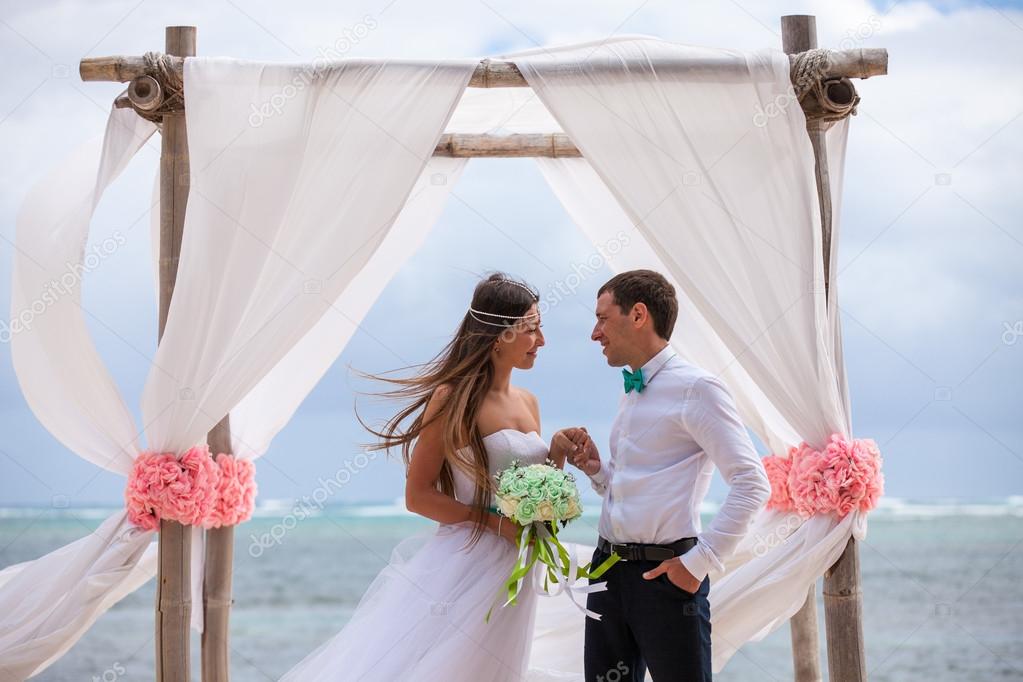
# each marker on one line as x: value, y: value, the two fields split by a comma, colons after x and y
x: 930, y: 248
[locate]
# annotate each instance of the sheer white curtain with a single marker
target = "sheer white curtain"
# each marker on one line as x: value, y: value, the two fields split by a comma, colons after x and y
x: 286, y: 214
x: 47, y: 604
x: 285, y: 209
x: 271, y: 404
x: 720, y: 196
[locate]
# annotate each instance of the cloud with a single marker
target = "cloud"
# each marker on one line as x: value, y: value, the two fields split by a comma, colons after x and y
x: 929, y: 268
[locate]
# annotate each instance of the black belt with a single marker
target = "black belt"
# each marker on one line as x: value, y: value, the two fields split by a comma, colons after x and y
x: 632, y: 551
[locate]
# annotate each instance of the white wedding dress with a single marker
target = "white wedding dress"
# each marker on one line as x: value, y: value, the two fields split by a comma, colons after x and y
x: 422, y: 618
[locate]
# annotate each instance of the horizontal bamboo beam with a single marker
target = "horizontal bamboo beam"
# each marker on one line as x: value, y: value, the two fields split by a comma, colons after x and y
x: 551, y: 145
x: 465, y: 146
x: 862, y: 63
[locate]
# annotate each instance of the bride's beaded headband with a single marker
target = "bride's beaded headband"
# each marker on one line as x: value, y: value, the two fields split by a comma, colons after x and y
x: 476, y: 313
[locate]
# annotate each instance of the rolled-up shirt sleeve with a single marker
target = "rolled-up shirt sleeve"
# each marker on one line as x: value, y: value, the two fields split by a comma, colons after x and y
x: 711, y: 418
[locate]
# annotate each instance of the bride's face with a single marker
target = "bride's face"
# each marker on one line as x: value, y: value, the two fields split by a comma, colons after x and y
x: 518, y: 346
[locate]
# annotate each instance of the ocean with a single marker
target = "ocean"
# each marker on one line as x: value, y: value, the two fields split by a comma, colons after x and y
x: 942, y: 582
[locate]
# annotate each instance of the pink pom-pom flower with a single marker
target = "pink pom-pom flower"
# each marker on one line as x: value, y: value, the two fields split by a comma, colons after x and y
x: 150, y: 474
x: 842, y: 477
x: 852, y: 469
x: 193, y: 489
x: 236, y: 492
x: 190, y: 499
x: 778, y: 474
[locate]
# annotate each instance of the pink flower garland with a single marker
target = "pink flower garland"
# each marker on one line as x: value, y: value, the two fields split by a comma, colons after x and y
x: 236, y: 492
x: 195, y: 489
x: 778, y: 474
x: 844, y: 476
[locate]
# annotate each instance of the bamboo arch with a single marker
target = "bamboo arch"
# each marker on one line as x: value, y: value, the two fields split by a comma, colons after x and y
x: 155, y: 92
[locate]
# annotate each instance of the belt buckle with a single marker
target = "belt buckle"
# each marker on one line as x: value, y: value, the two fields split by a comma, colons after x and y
x: 623, y: 551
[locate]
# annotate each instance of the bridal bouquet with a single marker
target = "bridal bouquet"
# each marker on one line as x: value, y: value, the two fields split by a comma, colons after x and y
x: 539, y: 497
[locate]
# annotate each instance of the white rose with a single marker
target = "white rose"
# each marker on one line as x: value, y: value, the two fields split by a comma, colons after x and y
x: 507, y: 506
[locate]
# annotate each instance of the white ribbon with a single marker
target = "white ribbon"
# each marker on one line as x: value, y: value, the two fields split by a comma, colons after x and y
x: 523, y: 558
x: 568, y: 585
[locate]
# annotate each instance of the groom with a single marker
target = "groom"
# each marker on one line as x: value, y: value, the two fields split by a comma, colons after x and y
x: 675, y: 424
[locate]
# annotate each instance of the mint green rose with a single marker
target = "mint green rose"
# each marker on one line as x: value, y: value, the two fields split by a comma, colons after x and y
x: 526, y: 512
x: 518, y: 487
x: 535, y: 491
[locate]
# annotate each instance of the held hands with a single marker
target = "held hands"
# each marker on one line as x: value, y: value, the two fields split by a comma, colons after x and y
x: 576, y: 445
x: 677, y: 574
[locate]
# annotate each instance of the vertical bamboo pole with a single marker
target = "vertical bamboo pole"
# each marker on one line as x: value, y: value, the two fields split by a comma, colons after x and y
x: 843, y: 599
x: 806, y: 655
x: 216, y: 592
x: 799, y: 33
x: 173, y: 595
x: 843, y: 618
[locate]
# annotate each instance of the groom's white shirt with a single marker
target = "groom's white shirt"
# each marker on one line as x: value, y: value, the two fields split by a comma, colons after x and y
x: 665, y: 443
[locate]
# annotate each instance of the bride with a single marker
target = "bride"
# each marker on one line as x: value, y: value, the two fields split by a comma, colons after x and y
x: 422, y: 618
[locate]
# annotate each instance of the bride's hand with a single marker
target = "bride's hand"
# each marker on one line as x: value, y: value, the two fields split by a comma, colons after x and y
x: 562, y: 446
x: 567, y: 443
x: 509, y: 530
x: 584, y: 452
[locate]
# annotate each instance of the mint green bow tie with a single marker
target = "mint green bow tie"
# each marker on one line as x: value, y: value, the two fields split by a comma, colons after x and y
x: 633, y: 380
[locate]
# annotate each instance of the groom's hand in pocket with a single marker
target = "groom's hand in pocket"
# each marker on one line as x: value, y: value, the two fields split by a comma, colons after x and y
x: 677, y: 574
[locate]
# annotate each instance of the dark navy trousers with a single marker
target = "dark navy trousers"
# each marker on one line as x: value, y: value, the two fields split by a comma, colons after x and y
x: 646, y: 624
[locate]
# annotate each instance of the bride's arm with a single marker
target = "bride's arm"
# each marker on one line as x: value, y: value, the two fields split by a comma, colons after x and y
x: 421, y: 494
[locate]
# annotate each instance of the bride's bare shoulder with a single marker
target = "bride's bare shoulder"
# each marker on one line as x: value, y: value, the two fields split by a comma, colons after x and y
x: 437, y: 400
x: 531, y: 402
x: 525, y: 394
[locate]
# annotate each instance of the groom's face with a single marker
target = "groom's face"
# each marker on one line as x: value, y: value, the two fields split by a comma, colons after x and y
x: 613, y: 330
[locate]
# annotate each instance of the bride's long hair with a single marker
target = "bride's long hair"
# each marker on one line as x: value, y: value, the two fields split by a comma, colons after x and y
x: 464, y: 365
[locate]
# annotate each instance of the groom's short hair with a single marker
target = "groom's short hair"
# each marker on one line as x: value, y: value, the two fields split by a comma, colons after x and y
x: 649, y: 288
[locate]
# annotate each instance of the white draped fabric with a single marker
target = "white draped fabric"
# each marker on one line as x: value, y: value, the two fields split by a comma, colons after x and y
x: 48, y: 603
x: 282, y: 217
x: 292, y: 230
x: 269, y: 406
x: 289, y: 211
x: 680, y: 156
